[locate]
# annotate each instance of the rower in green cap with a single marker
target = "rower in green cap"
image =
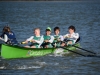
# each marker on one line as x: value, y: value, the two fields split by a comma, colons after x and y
x: 48, y: 39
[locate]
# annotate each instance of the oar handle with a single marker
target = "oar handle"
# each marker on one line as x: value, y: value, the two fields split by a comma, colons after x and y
x: 23, y: 43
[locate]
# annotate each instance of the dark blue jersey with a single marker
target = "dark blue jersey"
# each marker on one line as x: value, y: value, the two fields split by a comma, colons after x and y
x: 11, y: 37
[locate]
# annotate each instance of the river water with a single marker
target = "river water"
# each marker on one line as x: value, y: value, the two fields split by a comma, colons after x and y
x: 23, y: 17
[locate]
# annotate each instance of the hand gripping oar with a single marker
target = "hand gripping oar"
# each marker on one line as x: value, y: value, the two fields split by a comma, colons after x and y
x: 73, y: 51
x: 84, y: 49
x: 23, y: 43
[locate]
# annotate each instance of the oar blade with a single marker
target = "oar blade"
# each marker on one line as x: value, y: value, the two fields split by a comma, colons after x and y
x: 85, y: 50
x: 93, y: 56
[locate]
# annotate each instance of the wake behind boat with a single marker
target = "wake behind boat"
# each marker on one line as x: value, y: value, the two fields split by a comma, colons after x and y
x: 9, y: 51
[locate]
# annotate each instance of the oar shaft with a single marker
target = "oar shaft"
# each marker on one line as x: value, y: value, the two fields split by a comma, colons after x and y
x: 81, y: 54
x: 74, y: 52
x: 85, y: 50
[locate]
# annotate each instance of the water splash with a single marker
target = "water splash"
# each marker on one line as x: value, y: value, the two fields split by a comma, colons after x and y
x: 27, y: 67
x: 59, y: 52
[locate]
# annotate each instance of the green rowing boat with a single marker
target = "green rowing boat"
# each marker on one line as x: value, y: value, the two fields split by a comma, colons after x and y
x: 9, y: 51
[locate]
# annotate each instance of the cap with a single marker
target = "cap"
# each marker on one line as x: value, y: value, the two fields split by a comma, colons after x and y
x: 48, y: 29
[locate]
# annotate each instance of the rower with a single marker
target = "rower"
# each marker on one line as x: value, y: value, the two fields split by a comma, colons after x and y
x: 57, y: 38
x: 36, y: 40
x: 71, y: 37
x: 8, y: 36
x: 48, y: 39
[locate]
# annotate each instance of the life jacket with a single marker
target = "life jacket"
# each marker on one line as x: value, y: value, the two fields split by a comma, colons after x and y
x: 56, y: 37
x: 46, y: 43
x: 46, y: 37
x: 36, y: 38
x: 11, y: 38
x: 56, y: 43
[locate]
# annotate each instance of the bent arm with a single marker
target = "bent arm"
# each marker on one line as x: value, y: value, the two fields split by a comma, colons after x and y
x: 65, y: 36
x: 5, y: 38
x: 51, y: 40
x: 40, y: 41
x: 61, y: 38
x: 76, y: 36
x: 29, y: 39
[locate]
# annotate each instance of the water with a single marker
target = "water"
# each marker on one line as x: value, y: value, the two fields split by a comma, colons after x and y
x: 23, y: 17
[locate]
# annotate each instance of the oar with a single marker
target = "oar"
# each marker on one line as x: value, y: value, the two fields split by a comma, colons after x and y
x: 93, y: 56
x: 80, y: 53
x: 84, y: 49
x: 73, y: 51
x: 22, y: 43
x: 25, y: 42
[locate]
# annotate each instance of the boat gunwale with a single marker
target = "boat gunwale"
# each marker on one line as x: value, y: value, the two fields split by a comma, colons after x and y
x: 19, y: 47
x: 16, y: 46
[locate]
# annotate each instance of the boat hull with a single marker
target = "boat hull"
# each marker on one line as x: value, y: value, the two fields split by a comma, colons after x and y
x: 8, y: 51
